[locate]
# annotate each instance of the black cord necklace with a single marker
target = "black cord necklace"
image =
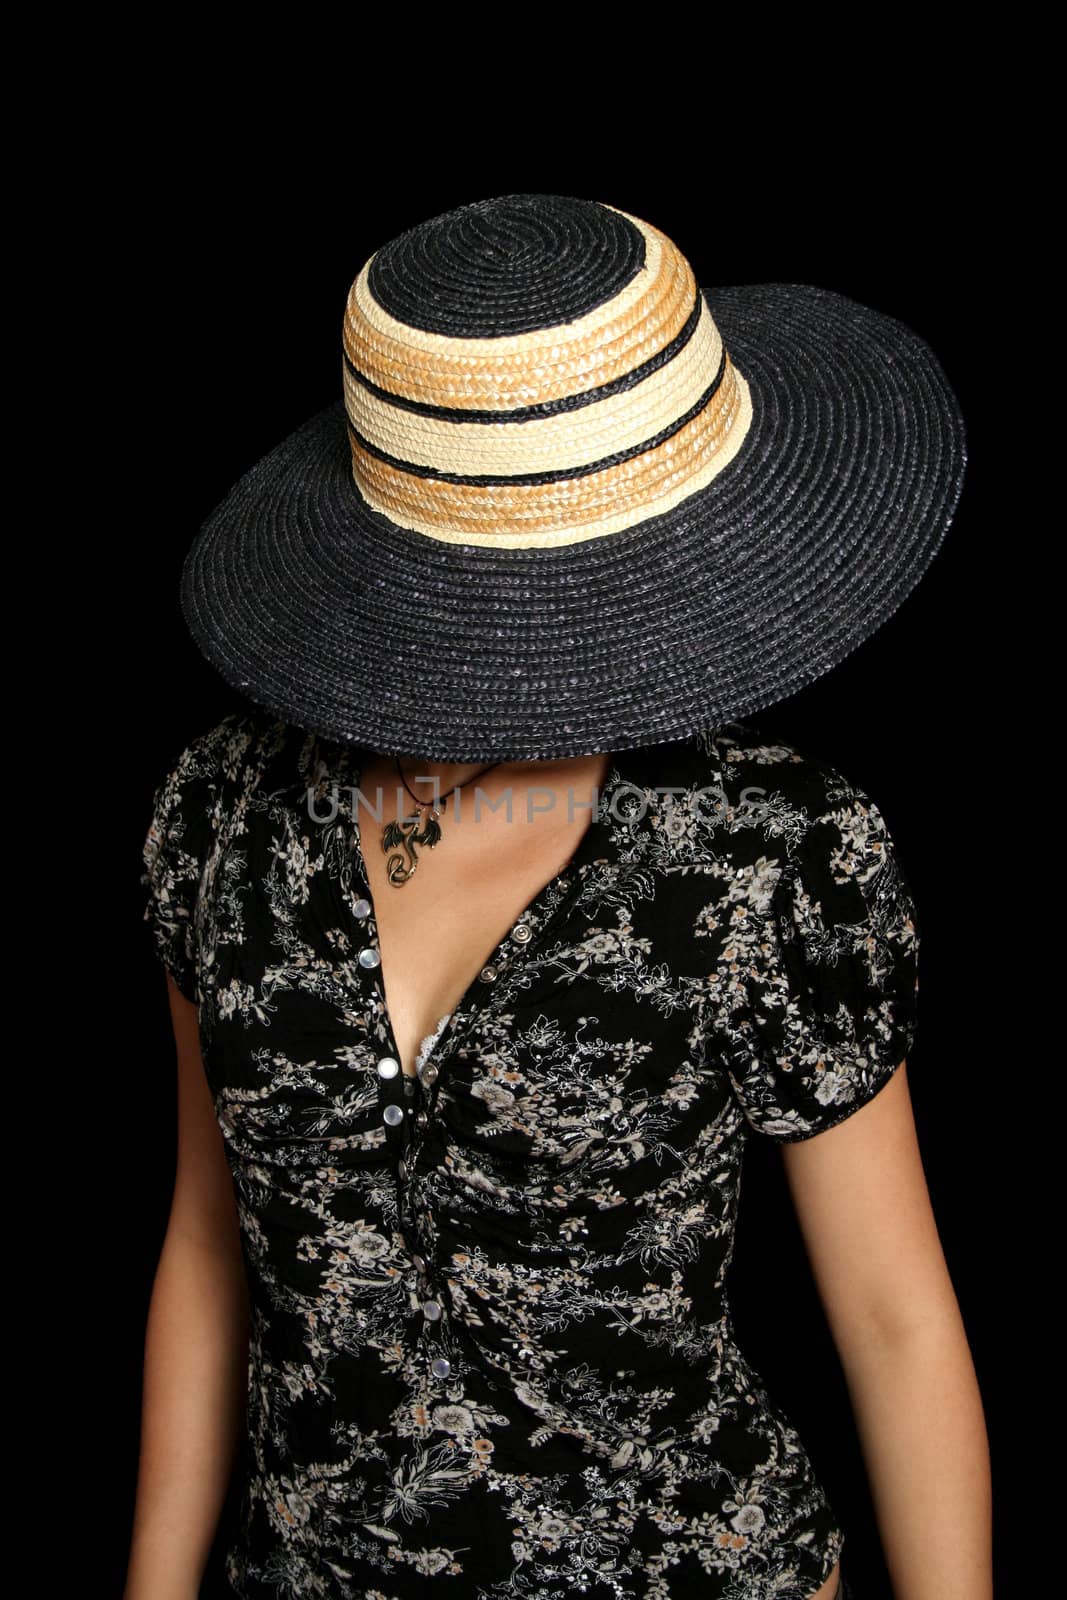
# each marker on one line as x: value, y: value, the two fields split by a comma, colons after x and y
x: 403, y: 834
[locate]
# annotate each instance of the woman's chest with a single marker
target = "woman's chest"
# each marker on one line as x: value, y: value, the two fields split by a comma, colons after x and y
x: 576, y: 1042
x: 438, y: 928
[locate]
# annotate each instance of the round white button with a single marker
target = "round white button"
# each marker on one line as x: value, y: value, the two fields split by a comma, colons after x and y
x: 520, y: 933
x: 440, y: 1367
x: 388, y: 1067
x: 362, y: 908
x: 431, y: 1310
x: 369, y: 957
x: 487, y: 974
x: 429, y: 1073
x: 392, y: 1115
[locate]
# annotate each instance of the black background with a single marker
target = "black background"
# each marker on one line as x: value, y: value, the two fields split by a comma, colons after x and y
x: 233, y: 230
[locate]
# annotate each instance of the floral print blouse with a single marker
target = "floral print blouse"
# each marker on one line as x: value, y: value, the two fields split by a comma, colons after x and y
x: 491, y: 1345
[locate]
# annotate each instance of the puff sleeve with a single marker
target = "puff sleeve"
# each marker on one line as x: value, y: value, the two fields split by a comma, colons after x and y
x: 833, y: 978
x: 174, y: 857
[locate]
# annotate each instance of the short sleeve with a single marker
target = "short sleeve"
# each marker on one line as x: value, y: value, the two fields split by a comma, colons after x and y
x: 833, y: 982
x: 174, y: 856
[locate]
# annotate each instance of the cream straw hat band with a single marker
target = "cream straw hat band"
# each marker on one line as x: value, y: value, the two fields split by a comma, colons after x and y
x: 569, y: 501
x: 549, y: 435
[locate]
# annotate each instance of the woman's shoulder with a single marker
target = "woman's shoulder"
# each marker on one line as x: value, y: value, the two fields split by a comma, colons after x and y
x: 743, y: 759
x: 792, y: 794
x: 248, y: 750
x: 742, y: 753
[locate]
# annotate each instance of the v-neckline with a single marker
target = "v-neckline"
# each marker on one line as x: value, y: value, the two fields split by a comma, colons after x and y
x: 591, y: 847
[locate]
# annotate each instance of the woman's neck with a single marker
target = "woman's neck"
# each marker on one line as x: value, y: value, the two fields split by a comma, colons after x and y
x: 422, y: 773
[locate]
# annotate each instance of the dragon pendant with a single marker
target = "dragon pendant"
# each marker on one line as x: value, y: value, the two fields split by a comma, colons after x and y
x: 403, y: 833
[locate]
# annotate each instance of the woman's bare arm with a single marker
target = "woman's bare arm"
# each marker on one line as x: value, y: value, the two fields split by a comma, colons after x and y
x: 864, y: 1211
x: 196, y: 1349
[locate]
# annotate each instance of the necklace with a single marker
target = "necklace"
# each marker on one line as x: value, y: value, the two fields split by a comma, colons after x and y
x: 403, y: 835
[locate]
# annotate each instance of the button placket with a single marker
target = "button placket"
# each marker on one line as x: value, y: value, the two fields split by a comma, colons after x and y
x: 431, y: 1304
x: 391, y: 1098
x: 392, y: 1103
x: 436, y: 1336
x: 432, y: 1331
x: 421, y: 1250
x: 401, y: 1096
x: 408, y: 1103
x: 395, y: 1088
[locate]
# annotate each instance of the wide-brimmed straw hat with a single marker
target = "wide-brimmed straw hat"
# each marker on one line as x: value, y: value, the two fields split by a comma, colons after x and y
x: 570, y: 501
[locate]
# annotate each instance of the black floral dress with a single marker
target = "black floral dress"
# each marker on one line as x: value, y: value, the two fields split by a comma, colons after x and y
x: 491, y: 1345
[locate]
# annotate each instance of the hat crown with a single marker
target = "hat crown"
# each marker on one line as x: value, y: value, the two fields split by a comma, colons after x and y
x: 510, y: 265
x: 533, y: 370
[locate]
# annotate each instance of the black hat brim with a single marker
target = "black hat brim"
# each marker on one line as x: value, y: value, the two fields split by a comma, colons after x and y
x: 320, y: 609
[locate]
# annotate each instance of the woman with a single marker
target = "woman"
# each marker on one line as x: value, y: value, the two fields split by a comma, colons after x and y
x: 494, y: 928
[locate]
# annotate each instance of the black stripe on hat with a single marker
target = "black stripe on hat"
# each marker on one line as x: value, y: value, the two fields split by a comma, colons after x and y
x: 544, y: 408
x: 561, y: 474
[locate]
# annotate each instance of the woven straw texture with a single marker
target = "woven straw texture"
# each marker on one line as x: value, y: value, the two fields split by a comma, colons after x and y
x: 571, y: 502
